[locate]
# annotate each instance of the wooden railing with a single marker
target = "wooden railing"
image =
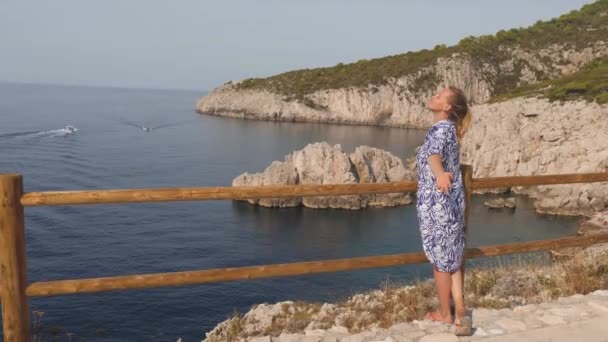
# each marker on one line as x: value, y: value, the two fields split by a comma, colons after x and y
x: 15, y: 289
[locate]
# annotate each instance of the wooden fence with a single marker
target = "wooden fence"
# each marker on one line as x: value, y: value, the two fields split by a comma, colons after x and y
x: 15, y: 289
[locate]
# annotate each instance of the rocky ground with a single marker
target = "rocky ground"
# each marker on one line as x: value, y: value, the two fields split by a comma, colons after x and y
x: 577, y: 317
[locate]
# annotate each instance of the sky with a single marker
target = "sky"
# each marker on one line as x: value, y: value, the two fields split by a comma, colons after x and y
x: 198, y: 45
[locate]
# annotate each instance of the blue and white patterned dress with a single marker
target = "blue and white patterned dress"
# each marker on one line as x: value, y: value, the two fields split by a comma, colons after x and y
x: 440, y: 214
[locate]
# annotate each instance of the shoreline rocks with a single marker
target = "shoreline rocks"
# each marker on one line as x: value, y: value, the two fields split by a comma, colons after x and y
x: 596, y: 224
x: 499, y: 203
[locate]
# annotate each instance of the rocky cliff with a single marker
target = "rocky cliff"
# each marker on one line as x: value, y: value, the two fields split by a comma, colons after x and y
x: 400, y: 101
x: 530, y: 136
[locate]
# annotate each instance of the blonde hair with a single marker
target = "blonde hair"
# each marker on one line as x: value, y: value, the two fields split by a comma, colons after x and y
x: 460, y: 113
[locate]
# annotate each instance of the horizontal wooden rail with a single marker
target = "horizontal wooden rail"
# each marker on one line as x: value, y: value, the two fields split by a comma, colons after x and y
x: 212, y: 193
x: 245, y: 192
x: 502, y: 182
x: 61, y: 287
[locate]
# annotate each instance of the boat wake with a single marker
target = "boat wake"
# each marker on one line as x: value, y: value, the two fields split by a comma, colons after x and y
x: 61, y: 132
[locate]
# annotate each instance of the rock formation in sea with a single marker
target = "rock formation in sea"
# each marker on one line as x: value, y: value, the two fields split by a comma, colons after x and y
x: 321, y: 163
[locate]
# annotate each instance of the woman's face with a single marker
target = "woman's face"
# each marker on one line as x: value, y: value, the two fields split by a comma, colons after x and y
x: 441, y: 101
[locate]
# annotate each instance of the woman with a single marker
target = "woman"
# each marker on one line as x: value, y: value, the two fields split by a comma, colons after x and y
x: 440, y: 203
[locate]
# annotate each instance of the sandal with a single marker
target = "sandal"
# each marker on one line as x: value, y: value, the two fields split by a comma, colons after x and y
x: 464, y: 327
x: 435, y: 317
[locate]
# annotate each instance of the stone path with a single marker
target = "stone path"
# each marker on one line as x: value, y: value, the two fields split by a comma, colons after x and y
x: 575, y: 318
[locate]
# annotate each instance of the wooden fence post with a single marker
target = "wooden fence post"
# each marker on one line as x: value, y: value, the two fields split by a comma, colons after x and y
x: 467, y: 180
x: 13, y: 267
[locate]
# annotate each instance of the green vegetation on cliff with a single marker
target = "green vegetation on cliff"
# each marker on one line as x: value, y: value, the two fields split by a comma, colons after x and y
x: 576, y: 29
x: 589, y: 83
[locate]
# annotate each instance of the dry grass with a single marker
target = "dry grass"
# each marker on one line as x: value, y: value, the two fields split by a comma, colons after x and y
x: 235, y: 327
x: 582, y: 277
x: 480, y: 283
x: 230, y: 330
x: 294, y: 317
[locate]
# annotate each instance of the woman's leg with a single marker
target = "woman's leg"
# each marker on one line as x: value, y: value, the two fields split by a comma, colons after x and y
x: 443, y: 283
x: 462, y: 277
x: 458, y: 294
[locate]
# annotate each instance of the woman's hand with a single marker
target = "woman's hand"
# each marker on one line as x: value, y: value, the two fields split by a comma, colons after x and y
x: 444, y: 181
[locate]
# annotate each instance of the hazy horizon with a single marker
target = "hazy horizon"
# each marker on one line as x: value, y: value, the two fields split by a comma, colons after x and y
x: 198, y: 45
